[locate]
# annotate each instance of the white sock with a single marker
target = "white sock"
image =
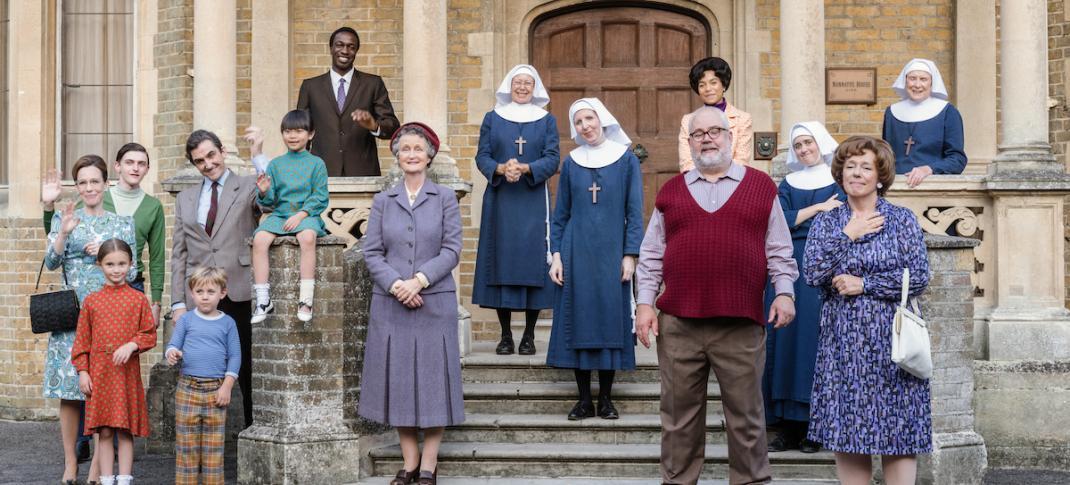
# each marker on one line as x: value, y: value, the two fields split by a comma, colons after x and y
x: 124, y: 479
x: 308, y: 289
x: 107, y: 480
x: 263, y: 293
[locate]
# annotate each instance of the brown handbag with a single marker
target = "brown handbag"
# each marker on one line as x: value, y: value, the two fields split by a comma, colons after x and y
x: 55, y: 310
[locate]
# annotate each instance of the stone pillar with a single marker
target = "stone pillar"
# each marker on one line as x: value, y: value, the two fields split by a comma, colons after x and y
x: 425, y: 77
x: 802, y: 91
x: 1028, y: 188
x: 975, y: 80
x: 299, y: 434
x: 215, y: 79
x: 959, y: 454
x: 28, y: 74
x: 426, y: 95
x: 271, y: 70
x: 1024, y: 94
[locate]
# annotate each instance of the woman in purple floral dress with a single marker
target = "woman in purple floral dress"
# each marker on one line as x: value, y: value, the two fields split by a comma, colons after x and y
x: 862, y: 403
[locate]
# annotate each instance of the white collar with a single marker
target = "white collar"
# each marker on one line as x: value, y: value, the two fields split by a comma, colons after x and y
x: 811, y: 178
x: 520, y: 113
x: 910, y: 112
x: 207, y: 184
x: 217, y: 316
x: 348, y: 77
x: 600, y: 156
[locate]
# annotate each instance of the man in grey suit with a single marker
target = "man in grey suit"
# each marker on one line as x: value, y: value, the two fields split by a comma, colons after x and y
x: 212, y: 222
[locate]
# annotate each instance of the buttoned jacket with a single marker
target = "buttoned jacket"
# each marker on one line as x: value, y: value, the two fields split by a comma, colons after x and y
x: 401, y: 241
x: 226, y: 248
x: 347, y: 148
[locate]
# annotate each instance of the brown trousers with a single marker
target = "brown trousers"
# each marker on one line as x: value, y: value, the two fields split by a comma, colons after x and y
x: 735, y: 349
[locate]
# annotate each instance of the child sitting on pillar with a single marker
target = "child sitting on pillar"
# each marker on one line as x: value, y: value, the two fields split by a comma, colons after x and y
x: 206, y: 341
x: 294, y: 189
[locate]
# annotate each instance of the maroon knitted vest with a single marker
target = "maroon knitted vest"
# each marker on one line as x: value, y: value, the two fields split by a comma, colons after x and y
x: 715, y: 264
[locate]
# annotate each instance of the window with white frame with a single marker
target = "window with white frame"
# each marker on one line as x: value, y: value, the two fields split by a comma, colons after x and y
x: 97, y: 78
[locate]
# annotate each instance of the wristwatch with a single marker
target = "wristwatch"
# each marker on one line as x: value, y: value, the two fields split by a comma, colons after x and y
x: 789, y: 295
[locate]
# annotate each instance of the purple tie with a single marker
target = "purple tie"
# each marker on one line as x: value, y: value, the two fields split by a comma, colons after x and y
x: 341, y: 94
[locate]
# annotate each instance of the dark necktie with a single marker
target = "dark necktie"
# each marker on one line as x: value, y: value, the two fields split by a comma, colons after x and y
x: 213, y: 207
x: 341, y: 94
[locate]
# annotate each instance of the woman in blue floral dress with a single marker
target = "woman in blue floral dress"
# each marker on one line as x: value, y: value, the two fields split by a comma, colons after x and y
x: 72, y: 244
x: 862, y: 403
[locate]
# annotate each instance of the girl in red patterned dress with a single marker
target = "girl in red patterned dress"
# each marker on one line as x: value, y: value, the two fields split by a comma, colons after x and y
x: 114, y: 327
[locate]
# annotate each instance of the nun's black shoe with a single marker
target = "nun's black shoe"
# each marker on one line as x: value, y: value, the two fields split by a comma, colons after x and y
x: 527, y: 346
x: 606, y: 409
x: 582, y: 410
x: 505, y: 347
x: 809, y: 446
x: 782, y: 442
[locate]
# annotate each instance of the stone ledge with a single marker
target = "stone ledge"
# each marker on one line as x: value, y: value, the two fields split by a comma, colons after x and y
x: 933, y: 241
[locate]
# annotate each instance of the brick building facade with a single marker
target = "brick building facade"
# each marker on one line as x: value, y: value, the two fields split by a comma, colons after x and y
x: 484, y: 39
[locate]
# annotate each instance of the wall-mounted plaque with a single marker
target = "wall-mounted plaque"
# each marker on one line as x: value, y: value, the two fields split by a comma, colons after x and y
x: 764, y: 145
x: 851, y: 85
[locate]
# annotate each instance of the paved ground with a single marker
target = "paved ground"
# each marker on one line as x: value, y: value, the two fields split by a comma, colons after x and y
x: 30, y: 454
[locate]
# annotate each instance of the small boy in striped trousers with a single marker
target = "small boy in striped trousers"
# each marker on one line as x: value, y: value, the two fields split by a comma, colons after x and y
x: 206, y: 342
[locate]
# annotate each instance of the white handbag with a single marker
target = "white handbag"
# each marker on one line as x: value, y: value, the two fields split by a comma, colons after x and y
x: 910, y: 337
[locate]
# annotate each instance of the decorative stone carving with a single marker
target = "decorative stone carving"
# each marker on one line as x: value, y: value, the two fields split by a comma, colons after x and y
x: 937, y: 221
x: 347, y: 219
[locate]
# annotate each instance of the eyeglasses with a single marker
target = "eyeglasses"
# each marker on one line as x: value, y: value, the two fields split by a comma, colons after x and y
x: 713, y: 133
x: 518, y: 83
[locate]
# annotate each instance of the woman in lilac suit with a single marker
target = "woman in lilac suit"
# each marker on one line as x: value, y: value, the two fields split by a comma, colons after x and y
x: 412, y: 365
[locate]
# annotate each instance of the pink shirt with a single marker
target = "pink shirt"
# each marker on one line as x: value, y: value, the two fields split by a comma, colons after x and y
x: 711, y: 196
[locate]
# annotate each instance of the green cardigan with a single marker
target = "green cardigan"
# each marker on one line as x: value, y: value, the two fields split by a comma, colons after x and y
x: 148, y: 227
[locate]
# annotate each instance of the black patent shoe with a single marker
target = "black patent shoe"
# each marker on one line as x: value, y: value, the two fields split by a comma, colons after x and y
x: 606, y: 409
x: 405, y: 477
x: 428, y: 477
x: 582, y: 410
x: 527, y: 346
x: 782, y: 442
x: 809, y: 446
x: 505, y: 346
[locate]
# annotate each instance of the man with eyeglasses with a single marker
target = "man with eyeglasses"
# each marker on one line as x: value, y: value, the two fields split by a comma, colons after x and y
x: 716, y: 234
x: 349, y: 109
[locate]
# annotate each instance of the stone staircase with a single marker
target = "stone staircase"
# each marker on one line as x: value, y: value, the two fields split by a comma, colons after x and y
x: 516, y: 427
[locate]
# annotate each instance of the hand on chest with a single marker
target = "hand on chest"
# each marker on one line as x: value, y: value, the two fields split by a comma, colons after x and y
x: 873, y: 253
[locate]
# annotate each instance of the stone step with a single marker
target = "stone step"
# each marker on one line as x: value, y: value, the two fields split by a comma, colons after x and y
x: 557, y: 460
x: 442, y: 480
x: 483, y: 365
x: 559, y: 397
x: 556, y: 428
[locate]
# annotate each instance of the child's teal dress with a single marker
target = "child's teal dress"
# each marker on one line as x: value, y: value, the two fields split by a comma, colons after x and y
x: 298, y: 183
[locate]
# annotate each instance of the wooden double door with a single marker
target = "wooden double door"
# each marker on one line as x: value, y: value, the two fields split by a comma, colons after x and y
x: 636, y: 60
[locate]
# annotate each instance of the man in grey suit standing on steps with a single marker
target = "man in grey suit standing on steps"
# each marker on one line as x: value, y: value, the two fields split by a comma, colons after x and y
x: 349, y: 109
x: 213, y: 219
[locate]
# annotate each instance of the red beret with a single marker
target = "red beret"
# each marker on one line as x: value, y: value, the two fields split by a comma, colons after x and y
x: 428, y: 133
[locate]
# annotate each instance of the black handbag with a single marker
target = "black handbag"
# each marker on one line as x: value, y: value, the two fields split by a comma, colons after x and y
x: 53, y: 311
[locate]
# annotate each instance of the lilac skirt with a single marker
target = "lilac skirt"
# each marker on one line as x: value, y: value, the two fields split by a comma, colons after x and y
x: 412, y: 364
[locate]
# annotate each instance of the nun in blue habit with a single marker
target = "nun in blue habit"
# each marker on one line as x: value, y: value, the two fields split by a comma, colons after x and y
x: 791, y: 352
x: 924, y: 129
x: 595, y: 237
x: 518, y: 152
